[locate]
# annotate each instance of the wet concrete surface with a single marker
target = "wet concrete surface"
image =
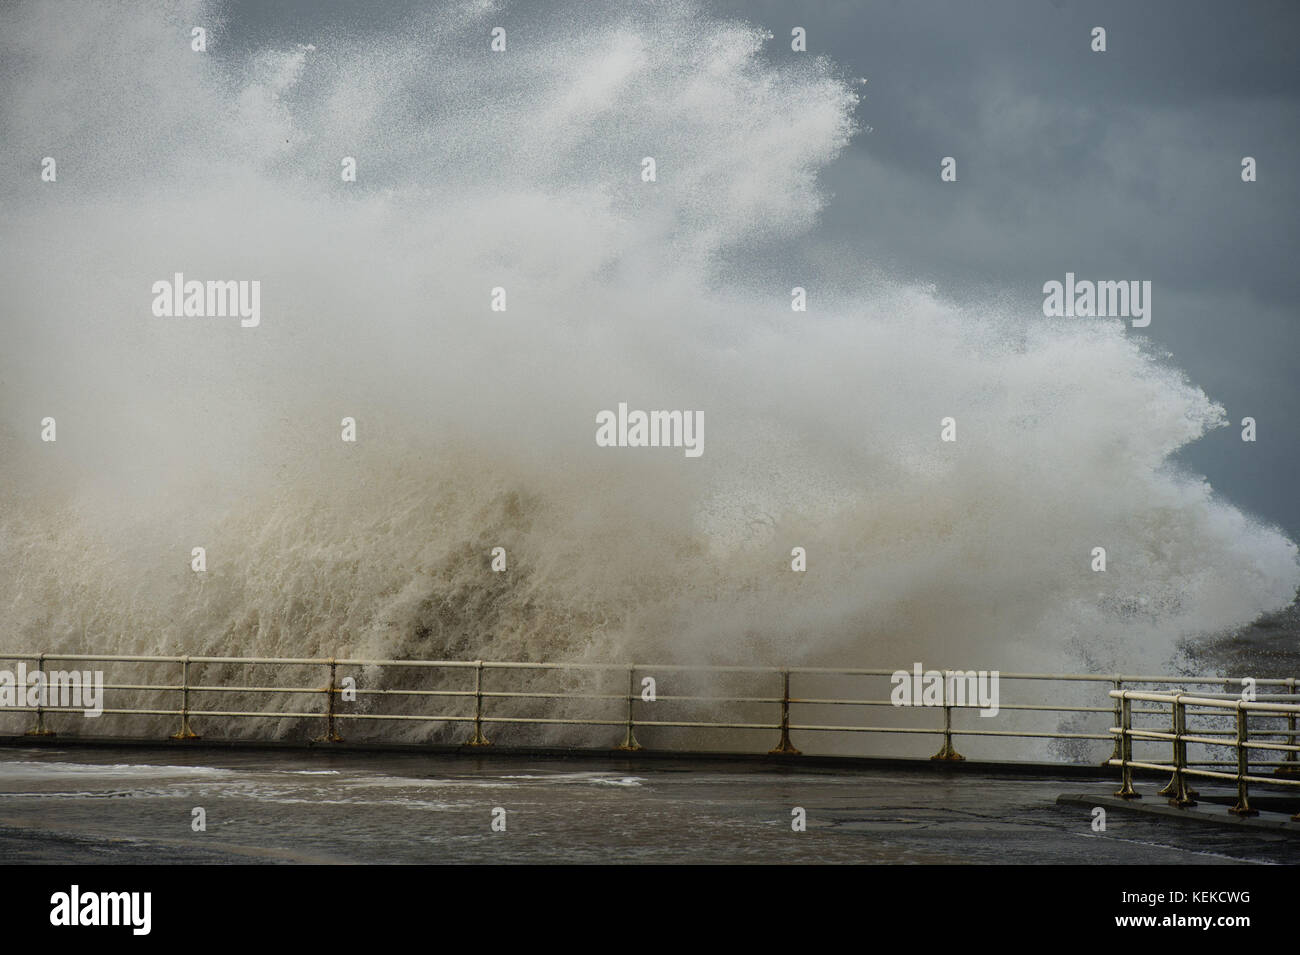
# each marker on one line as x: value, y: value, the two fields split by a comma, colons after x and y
x: 91, y: 805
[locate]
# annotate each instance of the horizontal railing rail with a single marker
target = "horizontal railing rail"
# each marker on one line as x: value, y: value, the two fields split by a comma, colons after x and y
x: 765, y: 702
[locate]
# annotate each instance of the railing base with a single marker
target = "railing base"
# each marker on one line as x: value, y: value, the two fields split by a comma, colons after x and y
x: 1180, y: 794
x: 948, y: 753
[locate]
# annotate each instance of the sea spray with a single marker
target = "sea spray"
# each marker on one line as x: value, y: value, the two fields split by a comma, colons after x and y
x: 521, y: 171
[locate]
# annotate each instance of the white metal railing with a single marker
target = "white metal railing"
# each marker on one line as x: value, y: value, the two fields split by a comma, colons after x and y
x: 1239, y: 739
x: 765, y: 703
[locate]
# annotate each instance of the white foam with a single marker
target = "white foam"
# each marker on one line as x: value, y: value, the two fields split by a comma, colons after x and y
x: 476, y: 428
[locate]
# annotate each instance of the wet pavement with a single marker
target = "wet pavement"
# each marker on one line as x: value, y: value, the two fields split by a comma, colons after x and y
x: 88, y: 805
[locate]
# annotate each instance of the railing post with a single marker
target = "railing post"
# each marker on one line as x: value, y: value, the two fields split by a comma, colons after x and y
x: 479, y: 739
x: 1116, y: 752
x: 330, y: 692
x: 629, y: 739
x: 185, y: 732
x: 1290, y: 767
x: 1181, y: 796
x: 39, y: 729
x: 1243, y: 764
x: 1171, y: 786
x: 947, y: 751
x: 1126, y: 790
x: 785, y: 747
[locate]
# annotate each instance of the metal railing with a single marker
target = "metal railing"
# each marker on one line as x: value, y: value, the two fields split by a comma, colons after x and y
x: 1239, y: 739
x: 493, y: 695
